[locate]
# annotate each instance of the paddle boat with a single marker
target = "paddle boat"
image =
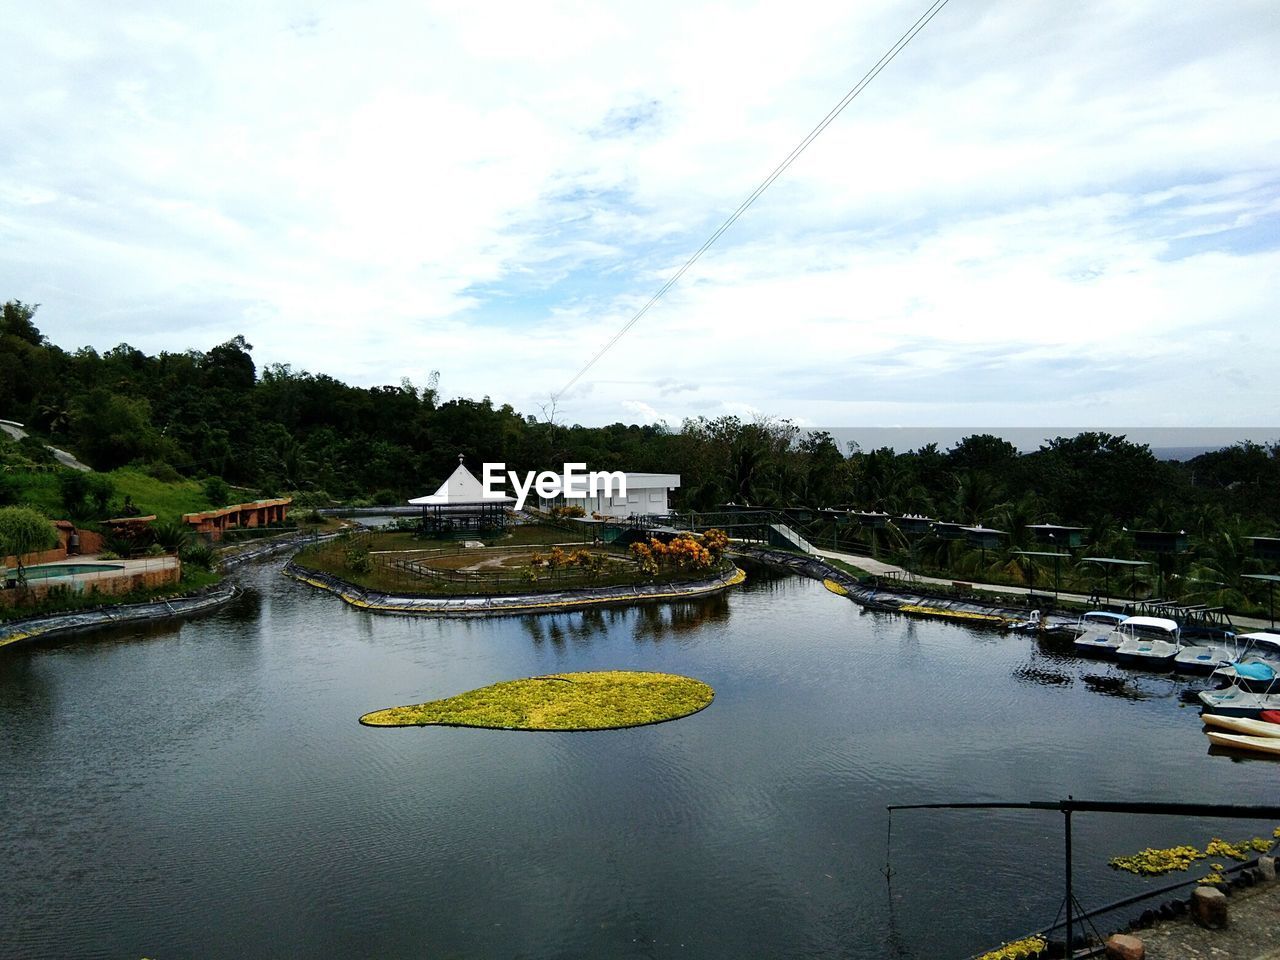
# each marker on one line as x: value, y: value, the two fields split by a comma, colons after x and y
x: 1251, y: 673
x: 1148, y: 642
x: 1094, y: 631
x: 1234, y: 741
x: 1241, y: 725
x: 1194, y: 658
x: 1235, y: 701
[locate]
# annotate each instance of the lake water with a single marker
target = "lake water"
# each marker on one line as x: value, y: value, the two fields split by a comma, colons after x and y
x: 204, y: 789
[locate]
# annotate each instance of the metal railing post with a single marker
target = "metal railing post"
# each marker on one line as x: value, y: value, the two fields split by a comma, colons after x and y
x: 1066, y: 813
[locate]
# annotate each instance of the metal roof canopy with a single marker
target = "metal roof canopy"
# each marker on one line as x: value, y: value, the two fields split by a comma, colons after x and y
x: 869, y: 518
x: 1071, y: 536
x: 1266, y: 547
x: 1116, y: 561
x: 911, y: 523
x: 1159, y: 541
x: 1269, y: 577
x: 1038, y: 553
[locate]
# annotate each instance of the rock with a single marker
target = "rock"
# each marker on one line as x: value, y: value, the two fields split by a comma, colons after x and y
x: 1123, y: 946
x: 1267, y: 868
x: 1209, y: 907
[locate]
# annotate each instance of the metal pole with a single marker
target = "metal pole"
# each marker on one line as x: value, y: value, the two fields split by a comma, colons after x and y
x: 1067, y: 814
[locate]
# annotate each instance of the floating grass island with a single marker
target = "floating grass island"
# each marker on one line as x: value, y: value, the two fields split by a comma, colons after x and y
x: 607, y: 700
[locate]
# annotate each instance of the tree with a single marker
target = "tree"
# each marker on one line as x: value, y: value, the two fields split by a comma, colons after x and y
x: 15, y: 321
x: 22, y: 531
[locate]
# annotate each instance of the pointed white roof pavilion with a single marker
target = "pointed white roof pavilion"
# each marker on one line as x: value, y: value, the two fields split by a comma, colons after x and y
x: 462, y: 489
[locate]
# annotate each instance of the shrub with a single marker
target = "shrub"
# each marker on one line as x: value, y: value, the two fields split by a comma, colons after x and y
x: 161, y: 471
x: 108, y: 555
x: 73, y: 485
x: 217, y: 491
x: 716, y: 541
x: 386, y: 497
x: 172, y: 535
x: 311, y: 498
x: 357, y: 558
x: 198, y: 554
x: 23, y: 530
x: 155, y: 550
x: 35, y: 451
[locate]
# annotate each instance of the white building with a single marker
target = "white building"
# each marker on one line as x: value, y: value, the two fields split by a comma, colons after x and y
x: 648, y: 494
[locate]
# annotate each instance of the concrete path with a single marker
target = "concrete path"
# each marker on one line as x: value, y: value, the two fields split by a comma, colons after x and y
x: 1253, y: 932
x: 14, y: 429
x: 881, y: 569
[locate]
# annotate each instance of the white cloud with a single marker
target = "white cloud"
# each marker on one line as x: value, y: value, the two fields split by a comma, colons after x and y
x: 1035, y: 214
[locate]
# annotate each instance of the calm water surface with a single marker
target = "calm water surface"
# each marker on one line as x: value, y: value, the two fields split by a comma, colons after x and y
x: 204, y: 790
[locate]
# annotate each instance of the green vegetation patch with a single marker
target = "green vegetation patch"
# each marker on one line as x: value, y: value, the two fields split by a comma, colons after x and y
x: 607, y: 700
x: 168, y: 501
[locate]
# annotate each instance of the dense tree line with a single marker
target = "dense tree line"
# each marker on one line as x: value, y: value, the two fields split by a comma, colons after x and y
x: 216, y: 414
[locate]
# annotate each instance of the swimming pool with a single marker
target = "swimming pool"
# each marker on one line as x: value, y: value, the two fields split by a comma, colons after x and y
x: 52, y: 571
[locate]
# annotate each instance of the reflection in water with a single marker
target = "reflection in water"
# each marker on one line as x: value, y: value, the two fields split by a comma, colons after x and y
x: 1114, y: 685
x: 1240, y: 756
x: 1027, y: 673
x: 1058, y: 647
x: 204, y: 789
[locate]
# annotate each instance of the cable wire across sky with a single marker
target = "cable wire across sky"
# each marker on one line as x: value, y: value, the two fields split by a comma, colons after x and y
x: 813, y: 134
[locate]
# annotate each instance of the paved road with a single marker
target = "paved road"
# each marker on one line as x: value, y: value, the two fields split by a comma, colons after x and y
x: 67, y: 460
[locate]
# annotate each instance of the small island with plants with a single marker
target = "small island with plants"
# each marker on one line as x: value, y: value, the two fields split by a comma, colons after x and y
x: 565, y: 702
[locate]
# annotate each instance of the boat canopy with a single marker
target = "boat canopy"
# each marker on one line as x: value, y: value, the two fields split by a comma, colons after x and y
x: 1261, y: 639
x: 1103, y: 616
x: 1150, y: 623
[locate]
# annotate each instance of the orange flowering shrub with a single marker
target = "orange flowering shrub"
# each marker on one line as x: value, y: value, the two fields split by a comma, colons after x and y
x: 681, y: 553
x: 716, y: 541
x: 644, y: 554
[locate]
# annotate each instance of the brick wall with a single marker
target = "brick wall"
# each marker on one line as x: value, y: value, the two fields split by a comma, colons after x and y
x: 104, y: 586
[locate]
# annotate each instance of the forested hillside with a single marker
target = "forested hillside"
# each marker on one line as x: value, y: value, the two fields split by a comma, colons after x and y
x: 215, y: 413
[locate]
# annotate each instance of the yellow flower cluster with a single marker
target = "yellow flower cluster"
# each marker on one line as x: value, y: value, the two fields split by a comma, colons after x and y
x: 1237, y: 851
x: 1216, y: 878
x: 1018, y: 949
x: 1152, y: 862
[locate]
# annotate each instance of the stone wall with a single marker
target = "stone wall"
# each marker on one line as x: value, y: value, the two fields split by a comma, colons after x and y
x: 32, y: 559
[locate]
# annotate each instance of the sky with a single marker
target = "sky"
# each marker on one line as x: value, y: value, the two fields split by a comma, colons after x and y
x: 1039, y: 213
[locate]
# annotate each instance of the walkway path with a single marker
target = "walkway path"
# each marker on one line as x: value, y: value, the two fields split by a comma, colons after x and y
x: 1253, y: 932
x: 14, y: 429
x: 881, y: 569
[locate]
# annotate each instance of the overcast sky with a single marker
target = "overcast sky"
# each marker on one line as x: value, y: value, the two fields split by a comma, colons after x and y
x: 1040, y: 213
